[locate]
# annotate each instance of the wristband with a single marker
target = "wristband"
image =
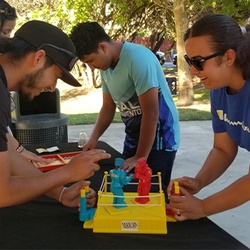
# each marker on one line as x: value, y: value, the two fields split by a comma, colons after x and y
x: 20, y: 148
x: 60, y: 196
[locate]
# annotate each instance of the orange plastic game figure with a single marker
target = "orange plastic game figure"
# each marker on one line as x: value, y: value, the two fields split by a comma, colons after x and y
x: 176, y: 189
x: 143, y: 172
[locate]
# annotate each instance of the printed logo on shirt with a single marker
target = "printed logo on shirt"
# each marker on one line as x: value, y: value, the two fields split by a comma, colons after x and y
x: 220, y: 114
x: 128, y: 110
x: 223, y: 116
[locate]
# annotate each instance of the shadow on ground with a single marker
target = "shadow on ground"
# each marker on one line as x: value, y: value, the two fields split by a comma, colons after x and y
x: 73, y: 93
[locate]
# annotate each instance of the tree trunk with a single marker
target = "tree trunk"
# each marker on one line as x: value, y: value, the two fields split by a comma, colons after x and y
x: 185, y: 85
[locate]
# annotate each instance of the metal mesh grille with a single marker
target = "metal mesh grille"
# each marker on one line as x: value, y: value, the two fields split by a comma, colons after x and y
x: 58, y: 134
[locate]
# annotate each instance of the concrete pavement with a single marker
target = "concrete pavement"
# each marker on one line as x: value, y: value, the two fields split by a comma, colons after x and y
x: 196, y: 141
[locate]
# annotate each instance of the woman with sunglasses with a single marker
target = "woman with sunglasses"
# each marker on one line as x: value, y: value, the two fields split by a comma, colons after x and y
x: 218, y: 52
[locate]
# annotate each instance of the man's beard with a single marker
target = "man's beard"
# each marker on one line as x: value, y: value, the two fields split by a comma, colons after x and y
x: 30, y: 82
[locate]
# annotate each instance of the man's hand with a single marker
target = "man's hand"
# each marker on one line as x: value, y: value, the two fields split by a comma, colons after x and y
x: 89, y: 144
x: 84, y: 165
x: 130, y: 163
x: 35, y: 158
x: 71, y: 195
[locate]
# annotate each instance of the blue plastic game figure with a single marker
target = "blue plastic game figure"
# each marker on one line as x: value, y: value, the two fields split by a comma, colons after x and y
x: 119, y: 178
x: 85, y: 213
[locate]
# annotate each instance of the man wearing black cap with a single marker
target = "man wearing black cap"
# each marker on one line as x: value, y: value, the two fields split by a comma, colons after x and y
x: 30, y: 63
x: 54, y: 46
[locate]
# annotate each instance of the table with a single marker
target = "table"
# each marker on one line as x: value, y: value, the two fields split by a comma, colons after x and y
x: 46, y: 224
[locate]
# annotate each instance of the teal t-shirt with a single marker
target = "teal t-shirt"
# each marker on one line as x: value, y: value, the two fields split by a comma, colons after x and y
x: 137, y: 71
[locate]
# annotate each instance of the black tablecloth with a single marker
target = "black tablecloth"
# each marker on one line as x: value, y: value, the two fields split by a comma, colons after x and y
x: 46, y: 224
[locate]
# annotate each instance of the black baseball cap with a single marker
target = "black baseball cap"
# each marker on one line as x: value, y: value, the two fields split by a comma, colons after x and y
x: 54, y: 42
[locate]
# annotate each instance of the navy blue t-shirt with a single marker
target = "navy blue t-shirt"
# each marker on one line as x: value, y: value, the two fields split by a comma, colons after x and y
x: 231, y: 114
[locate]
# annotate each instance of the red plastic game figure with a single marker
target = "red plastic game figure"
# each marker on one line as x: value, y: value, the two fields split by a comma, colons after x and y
x: 143, y: 172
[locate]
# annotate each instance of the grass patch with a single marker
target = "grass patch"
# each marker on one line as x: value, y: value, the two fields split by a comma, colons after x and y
x: 201, y: 95
x: 193, y: 115
x: 90, y: 118
x: 185, y: 114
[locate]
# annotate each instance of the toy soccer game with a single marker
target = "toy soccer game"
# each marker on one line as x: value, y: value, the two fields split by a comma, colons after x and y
x: 57, y: 160
x: 141, y: 211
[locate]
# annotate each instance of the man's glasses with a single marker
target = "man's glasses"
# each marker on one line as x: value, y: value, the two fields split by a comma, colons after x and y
x: 198, y: 61
x: 67, y: 52
x: 8, y: 11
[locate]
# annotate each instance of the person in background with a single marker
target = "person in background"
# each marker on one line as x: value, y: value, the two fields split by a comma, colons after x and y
x: 31, y: 62
x: 133, y: 82
x: 223, y: 66
x: 8, y: 18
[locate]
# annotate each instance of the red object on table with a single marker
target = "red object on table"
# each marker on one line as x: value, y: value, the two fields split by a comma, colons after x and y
x: 59, y: 161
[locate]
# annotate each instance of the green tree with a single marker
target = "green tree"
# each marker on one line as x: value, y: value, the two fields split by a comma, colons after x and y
x: 128, y: 19
x: 186, y: 93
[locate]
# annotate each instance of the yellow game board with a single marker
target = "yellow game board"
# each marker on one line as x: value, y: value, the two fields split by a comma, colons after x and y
x: 149, y: 218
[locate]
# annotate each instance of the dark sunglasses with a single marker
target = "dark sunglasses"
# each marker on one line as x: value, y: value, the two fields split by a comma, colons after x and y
x: 8, y: 11
x: 198, y: 61
x: 67, y: 52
